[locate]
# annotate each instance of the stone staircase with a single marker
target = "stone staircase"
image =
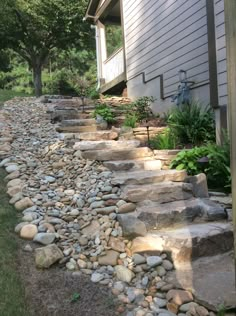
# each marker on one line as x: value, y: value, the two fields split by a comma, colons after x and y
x: 168, y: 211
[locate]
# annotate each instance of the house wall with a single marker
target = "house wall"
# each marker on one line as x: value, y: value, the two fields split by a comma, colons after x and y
x: 221, y: 51
x: 162, y: 37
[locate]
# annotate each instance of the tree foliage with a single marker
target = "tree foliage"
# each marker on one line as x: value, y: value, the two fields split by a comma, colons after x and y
x: 35, y: 28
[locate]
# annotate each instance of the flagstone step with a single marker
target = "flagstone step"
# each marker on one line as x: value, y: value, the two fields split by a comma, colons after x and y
x: 78, y: 122
x: 124, y: 165
x: 187, y: 243
x: 157, y: 216
x: 109, y: 144
x: 147, y: 176
x: 78, y: 129
x: 160, y: 192
x: 104, y: 155
x: 98, y: 135
x: 211, y: 279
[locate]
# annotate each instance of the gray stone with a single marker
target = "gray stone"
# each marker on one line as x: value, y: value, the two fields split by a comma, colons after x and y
x: 12, y: 168
x: 44, y: 238
x: 199, y: 182
x: 159, y: 302
x: 97, y: 277
x: 185, y: 307
x: 138, y: 259
x: 131, y: 226
x: 19, y: 226
x: 154, y: 261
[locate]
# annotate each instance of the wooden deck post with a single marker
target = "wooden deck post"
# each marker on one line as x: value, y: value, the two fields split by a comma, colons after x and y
x: 230, y: 25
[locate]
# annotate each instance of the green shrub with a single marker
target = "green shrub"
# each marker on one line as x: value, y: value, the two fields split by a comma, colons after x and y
x: 192, y: 124
x: 105, y: 112
x: 130, y: 120
x: 216, y: 167
x: 164, y: 140
x: 60, y: 84
x: 93, y: 93
x: 141, y: 108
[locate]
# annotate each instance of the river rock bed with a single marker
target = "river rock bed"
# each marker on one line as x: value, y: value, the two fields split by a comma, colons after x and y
x: 68, y: 208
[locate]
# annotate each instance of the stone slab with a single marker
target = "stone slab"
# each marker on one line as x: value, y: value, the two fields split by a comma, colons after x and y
x: 158, y: 216
x: 160, y: 192
x: 212, y: 280
x: 78, y: 122
x: 124, y: 165
x: 109, y: 144
x: 148, y: 176
x: 104, y: 155
x: 99, y: 135
x: 188, y: 243
x: 78, y: 129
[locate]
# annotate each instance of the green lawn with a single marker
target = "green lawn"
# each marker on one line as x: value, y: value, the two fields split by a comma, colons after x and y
x: 6, y: 95
x: 12, y: 299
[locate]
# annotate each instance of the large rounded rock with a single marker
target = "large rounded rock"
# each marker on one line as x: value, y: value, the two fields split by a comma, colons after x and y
x: 110, y: 259
x: 28, y: 231
x: 46, y: 256
x: 14, y: 182
x: 124, y: 274
x: 23, y: 204
x: 14, y: 190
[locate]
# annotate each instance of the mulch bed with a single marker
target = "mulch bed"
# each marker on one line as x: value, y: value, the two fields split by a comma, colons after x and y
x: 49, y: 292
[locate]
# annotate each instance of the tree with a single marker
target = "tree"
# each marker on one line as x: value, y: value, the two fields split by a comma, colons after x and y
x: 34, y: 28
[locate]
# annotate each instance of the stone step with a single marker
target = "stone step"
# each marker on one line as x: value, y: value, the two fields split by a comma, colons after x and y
x: 158, y: 216
x: 98, y: 135
x: 187, y: 243
x: 78, y: 129
x: 104, y: 155
x: 109, y: 144
x: 124, y: 165
x: 211, y: 279
x: 148, y: 176
x: 78, y: 122
x: 160, y: 192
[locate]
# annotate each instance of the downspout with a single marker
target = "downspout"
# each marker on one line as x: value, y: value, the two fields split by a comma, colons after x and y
x: 99, y: 70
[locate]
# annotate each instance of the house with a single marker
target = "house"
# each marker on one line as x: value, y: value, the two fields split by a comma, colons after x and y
x: 160, y: 38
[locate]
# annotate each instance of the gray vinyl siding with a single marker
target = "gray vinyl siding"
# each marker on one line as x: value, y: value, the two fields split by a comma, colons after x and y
x: 164, y: 36
x: 221, y: 51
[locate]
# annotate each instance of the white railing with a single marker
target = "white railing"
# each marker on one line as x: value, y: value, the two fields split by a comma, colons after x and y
x: 113, y: 66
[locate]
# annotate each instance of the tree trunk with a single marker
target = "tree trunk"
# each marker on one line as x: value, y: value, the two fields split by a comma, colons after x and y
x: 37, y: 74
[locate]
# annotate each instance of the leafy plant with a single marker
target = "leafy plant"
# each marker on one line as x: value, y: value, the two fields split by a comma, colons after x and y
x: 105, y: 112
x: 192, y: 123
x: 130, y: 120
x: 164, y: 140
x: 216, y: 166
x: 188, y: 160
x: 75, y: 297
